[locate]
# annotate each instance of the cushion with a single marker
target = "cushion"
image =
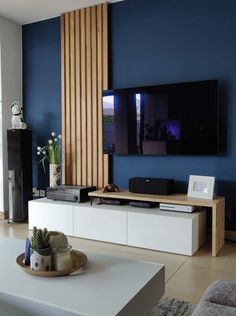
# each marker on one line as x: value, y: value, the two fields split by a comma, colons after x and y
x: 221, y: 292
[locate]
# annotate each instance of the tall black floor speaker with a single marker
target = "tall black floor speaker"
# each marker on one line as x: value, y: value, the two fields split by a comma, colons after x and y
x: 19, y: 144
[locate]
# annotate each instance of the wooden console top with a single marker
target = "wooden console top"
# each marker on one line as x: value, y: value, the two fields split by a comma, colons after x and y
x: 173, y: 198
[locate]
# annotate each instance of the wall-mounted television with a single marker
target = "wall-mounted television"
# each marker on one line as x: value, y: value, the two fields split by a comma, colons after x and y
x: 170, y: 119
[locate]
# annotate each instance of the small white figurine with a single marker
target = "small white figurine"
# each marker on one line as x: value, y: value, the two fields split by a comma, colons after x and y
x: 17, y: 121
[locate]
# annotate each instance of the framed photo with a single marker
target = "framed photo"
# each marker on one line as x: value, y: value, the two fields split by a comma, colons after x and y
x: 201, y: 187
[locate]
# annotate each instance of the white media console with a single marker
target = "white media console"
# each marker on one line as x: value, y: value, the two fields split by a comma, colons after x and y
x: 180, y: 233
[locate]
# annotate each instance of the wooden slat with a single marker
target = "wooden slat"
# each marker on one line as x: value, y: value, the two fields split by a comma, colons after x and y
x: 63, y: 101
x: 99, y: 86
x: 78, y: 99
x: 104, y: 47
x: 83, y: 96
x: 72, y: 97
x: 89, y: 96
x: 67, y: 96
x: 94, y: 97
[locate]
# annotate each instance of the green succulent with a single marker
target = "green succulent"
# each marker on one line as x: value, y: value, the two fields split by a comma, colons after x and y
x: 40, y: 238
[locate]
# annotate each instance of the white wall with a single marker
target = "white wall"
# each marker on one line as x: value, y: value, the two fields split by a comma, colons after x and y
x: 10, y: 90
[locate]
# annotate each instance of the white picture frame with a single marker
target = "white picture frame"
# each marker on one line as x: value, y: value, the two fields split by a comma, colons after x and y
x: 201, y: 187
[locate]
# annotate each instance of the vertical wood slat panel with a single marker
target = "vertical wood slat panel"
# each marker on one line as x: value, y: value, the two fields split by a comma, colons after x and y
x: 84, y: 76
x: 104, y: 48
x: 94, y: 98
x: 89, y: 96
x: 83, y: 96
x: 67, y: 94
x: 78, y: 99
x: 72, y: 97
x: 63, y: 101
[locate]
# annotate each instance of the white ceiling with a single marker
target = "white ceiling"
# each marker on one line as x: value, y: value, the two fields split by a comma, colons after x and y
x: 28, y: 11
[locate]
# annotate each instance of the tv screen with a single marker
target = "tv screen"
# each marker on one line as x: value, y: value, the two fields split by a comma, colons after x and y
x: 171, y: 119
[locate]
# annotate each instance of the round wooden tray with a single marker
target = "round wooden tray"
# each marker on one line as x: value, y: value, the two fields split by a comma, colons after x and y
x: 79, y: 259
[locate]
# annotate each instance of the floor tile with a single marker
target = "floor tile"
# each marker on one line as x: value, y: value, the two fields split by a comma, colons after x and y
x: 183, y: 291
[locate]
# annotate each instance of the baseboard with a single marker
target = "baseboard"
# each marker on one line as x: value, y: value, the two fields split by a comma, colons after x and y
x: 231, y: 235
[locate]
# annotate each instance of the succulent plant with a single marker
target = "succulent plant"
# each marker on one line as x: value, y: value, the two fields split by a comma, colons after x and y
x: 40, y: 238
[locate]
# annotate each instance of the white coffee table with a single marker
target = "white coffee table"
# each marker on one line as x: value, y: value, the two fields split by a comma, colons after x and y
x: 107, y: 286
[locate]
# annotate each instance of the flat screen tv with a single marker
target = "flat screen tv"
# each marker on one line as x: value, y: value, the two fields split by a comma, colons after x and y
x: 170, y: 119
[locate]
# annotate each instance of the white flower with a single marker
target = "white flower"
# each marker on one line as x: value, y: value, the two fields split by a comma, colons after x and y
x: 51, y: 151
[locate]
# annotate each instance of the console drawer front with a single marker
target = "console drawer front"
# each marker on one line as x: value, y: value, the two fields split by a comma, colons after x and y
x: 53, y: 216
x: 100, y: 224
x: 164, y: 233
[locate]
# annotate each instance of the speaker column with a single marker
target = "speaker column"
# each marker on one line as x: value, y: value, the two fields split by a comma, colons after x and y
x: 19, y: 144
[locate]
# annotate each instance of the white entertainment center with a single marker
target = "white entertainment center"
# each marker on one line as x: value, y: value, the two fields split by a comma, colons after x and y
x: 181, y: 233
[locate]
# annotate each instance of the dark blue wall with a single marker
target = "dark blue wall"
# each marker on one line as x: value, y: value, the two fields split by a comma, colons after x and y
x: 42, y: 85
x: 151, y: 42
x: 164, y: 41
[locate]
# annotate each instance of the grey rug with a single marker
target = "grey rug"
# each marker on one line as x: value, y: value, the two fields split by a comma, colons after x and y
x: 171, y: 307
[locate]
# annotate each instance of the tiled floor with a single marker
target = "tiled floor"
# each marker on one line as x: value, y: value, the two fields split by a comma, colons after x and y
x: 186, y: 277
